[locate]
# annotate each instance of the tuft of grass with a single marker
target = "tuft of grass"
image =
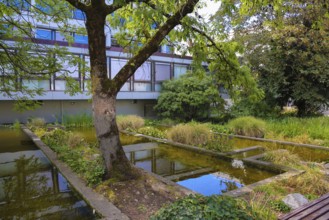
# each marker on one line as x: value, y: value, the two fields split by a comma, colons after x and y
x: 282, y: 157
x: 36, y: 122
x: 130, y: 122
x: 78, y: 120
x: 151, y: 131
x: 192, y: 134
x: 16, y: 124
x: 75, y: 140
x: 248, y: 126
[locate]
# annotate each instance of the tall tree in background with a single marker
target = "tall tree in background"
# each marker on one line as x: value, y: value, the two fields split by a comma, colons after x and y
x: 288, y: 52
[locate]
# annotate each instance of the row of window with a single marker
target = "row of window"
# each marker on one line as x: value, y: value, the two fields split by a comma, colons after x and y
x: 25, y: 5
x: 148, y: 77
x: 49, y: 34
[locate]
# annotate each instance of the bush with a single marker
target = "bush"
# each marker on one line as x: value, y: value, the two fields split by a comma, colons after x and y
x: 78, y: 120
x: 202, y: 207
x: 36, y: 122
x: 130, y: 122
x: 192, y: 134
x: 151, y: 131
x: 248, y: 126
x: 75, y: 140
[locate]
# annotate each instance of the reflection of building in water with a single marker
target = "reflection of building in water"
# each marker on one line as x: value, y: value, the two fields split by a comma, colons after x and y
x: 147, y: 156
x: 31, y: 188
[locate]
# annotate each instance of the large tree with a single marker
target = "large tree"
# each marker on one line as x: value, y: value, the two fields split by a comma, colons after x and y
x: 143, y: 25
x: 288, y: 51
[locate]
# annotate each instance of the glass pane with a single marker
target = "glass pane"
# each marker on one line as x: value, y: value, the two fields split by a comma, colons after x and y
x: 44, y: 8
x: 162, y: 71
x: 60, y: 85
x: 81, y: 39
x: 78, y: 14
x: 143, y: 73
x: 125, y: 87
x: 116, y: 65
x: 179, y: 70
x: 158, y: 87
x: 68, y: 69
x: 43, y: 34
x: 20, y: 4
x: 36, y: 84
x: 142, y: 87
x: 59, y: 36
x: 87, y: 67
x: 86, y: 85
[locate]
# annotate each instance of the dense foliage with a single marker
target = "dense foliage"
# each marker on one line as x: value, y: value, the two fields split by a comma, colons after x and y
x: 288, y: 51
x: 189, y: 97
x: 202, y: 207
x: 248, y: 126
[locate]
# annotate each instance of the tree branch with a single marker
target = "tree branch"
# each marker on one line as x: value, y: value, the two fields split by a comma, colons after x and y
x: 77, y: 4
x: 152, y: 45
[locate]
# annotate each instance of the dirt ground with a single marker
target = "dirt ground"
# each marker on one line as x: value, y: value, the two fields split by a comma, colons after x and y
x: 142, y: 197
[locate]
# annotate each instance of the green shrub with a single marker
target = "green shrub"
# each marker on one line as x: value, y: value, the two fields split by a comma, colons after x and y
x: 130, y: 122
x: 248, y: 126
x: 221, y: 143
x: 36, y: 122
x: 202, y: 207
x: 280, y: 206
x: 151, y: 131
x: 192, y: 134
x: 74, y: 140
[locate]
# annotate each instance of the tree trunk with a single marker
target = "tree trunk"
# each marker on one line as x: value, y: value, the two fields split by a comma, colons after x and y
x: 104, y: 93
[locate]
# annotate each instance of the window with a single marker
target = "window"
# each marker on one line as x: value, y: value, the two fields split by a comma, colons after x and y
x: 59, y: 36
x: 81, y: 39
x: 179, y: 69
x: 87, y: 67
x: 20, y: 4
x: 162, y: 71
x: 142, y: 87
x: 116, y: 65
x: 143, y: 73
x: 68, y: 68
x: 45, y: 34
x: 36, y: 84
x: 166, y: 49
x: 78, y: 14
x: 44, y: 8
x: 60, y: 85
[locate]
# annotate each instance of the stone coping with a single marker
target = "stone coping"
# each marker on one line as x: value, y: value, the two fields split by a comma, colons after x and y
x: 285, y: 172
x: 96, y: 201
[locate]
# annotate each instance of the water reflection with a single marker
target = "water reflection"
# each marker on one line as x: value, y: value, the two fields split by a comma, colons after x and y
x: 200, y: 173
x: 30, y: 188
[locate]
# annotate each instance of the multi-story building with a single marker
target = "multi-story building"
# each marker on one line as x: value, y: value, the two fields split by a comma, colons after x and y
x: 137, y: 96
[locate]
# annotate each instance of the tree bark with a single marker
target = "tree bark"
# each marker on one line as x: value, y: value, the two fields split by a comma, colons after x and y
x: 104, y: 93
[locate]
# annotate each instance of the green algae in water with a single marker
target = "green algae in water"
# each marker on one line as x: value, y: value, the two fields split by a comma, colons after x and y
x: 30, y: 188
x: 306, y: 154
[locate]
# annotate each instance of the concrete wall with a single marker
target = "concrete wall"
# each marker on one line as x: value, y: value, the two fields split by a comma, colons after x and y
x: 53, y: 111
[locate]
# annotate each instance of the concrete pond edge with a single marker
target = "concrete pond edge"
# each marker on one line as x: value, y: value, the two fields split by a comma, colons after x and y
x: 284, y: 171
x: 96, y: 201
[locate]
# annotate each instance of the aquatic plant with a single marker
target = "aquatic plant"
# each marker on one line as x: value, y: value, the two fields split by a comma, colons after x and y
x: 130, y: 122
x: 78, y: 120
x: 193, y: 134
x: 151, y: 131
x: 36, y: 122
x: 248, y: 126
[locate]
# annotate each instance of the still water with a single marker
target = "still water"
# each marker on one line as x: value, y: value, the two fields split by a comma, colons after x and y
x: 30, y: 187
x: 203, y: 174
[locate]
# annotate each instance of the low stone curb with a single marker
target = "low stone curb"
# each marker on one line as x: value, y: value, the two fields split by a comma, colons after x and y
x: 97, y: 202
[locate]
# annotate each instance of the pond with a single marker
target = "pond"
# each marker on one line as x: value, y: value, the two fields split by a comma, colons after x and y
x: 203, y: 174
x: 30, y: 187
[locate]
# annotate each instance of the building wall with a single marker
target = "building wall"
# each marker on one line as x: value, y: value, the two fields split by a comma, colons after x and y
x: 54, y: 110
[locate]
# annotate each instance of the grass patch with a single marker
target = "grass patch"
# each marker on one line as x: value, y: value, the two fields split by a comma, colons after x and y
x: 130, y: 122
x: 248, y: 126
x: 282, y: 157
x: 36, y: 122
x: 192, y: 134
x: 78, y: 120
x: 151, y: 131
